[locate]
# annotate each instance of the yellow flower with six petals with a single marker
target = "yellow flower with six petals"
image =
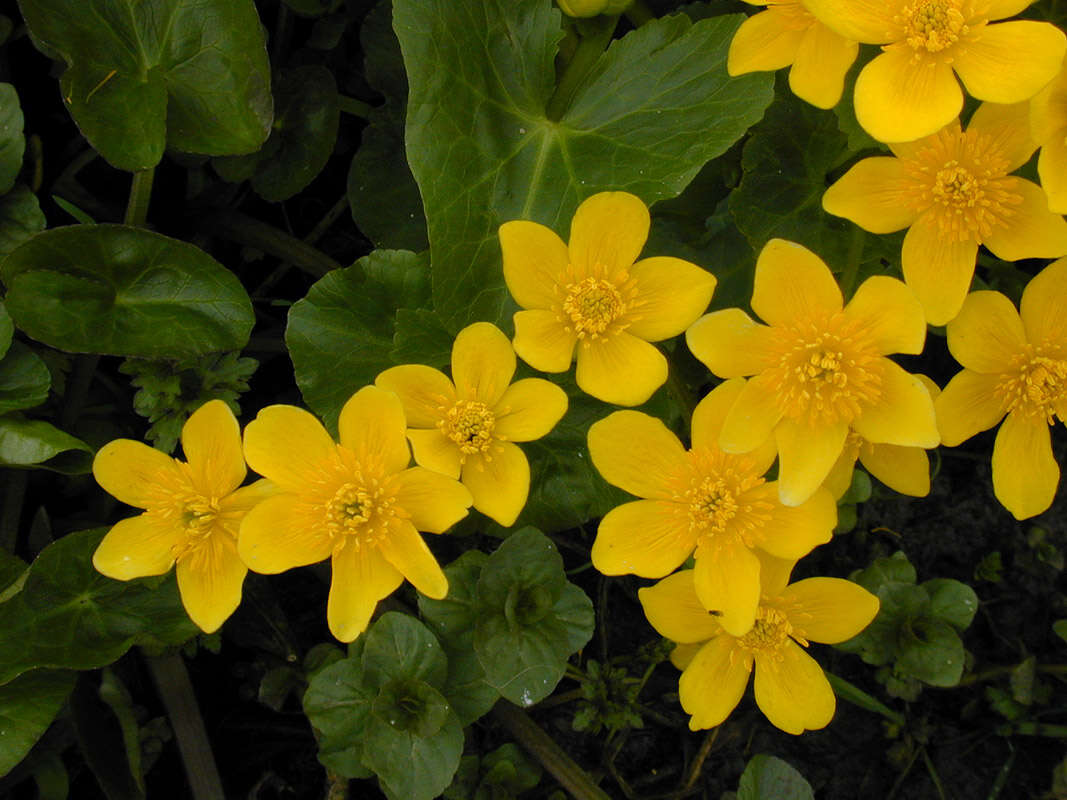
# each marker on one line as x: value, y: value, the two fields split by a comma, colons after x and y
x: 1015, y: 364
x: 820, y: 367
x: 467, y: 429
x: 192, y: 513
x: 589, y: 296
x: 790, y: 687
x: 355, y: 502
x: 953, y: 192
x: 714, y: 502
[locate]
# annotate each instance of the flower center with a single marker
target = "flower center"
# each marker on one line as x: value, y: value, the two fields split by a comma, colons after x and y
x: 1036, y: 386
x: 770, y: 631
x: 199, y: 516
x: 470, y: 425
x: 592, y: 304
x: 717, y: 496
x: 360, y: 513
x: 933, y: 25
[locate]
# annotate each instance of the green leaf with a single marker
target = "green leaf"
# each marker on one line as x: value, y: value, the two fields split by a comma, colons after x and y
x: 896, y: 568
x: 105, y: 736
x: 881, y: 641
x: 141, y: 76
x: 20, y: 218
x: 337, y: 704
x: 933, y: 653
x: 412, y: 767
x: 1059, y: 627
x: 411, y: 706
x: 508, y: 772
x: 952, y: 602
x: 399, y: 648
x: 483, y: 151
x: 11, y: 569
x: 28, y: 705
x: 25, y: 442
x: 12, y: 142
x: 24, y: 379
x: 7, y: 329
x: 421, y: 338
x: 769, y: 778
x: 120, y: 290
x: 70, y: 616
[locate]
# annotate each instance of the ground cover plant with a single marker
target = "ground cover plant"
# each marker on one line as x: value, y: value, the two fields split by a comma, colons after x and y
x: 542, y: 398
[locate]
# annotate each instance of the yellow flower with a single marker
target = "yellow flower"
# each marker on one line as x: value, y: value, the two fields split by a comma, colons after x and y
x: 1015, y: 363
x: 790, y: 687
x: 909, y: 90
x: 590, y: 295
x: 704, y: 499
x: 1048, y: 124
x: 466, y: 429
x: 820, y: 369
x: 787, y: 34
x: 953, y: 192
x: 355, y: 502
x: 192, y: 513
x: 902, y: 469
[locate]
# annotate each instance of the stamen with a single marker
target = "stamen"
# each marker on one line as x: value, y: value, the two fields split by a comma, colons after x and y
x: 932, y: 25
x: 1036, y: 384
x: 769, y: 633
x: 360, y: 512
x: 469, y: 424
x: 719, y: 500
x: 592, y: 305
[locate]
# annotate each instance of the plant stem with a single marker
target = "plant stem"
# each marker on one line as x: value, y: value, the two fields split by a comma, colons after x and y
x: 357, y: 108
x: 81, y: 377
x: 541, y: 746
x: 245, y: 230
x: 858, y: 697
x: 140, y: 195
x: 176, y: 691
x: 996, y: 672
x: 590, y: 46
x: 698, y: 761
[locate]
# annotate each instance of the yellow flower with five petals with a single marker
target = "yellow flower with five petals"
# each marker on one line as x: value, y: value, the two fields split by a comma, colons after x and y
x: 467, y: 429
x: 587, y: 299
x: 192, y: 513
x: 356, y: 502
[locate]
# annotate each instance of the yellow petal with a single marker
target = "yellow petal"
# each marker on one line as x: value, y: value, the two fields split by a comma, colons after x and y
x: 773, y: 572
x: 793, y: 284
x: 822, y: 60
x: 805, y: 456
x: 875, y: 193
x: 1008, y: 125
x: 868, y: 21
x: 902, y: 469
x: 938, y: 270
x: 675, y: 611
x: 136, y: 474
x: 828, y: 610
x: 987, y: 334
x: 968, y: 405
x: 903, y: 413
x: 534, y: 259
x: 726, y: 578
x: 620, y: 369
x: 900, y: 98
x: 683, y: 654
x: 361, y: 577
x: 426, y: 393
x: 714, y: 682
x: 372, y: 425
x: 1011, y: 61
x: 670, y: 295
x: 211, y: 441
x: 891, y: 315
x: 609, y: 229
x: 1025, y: 474
x: 240, y: 502
x: 405, y: 550
x: 283, y: 532
x: 753, y: 417
x: 1002, y: 9
x: 731, y: 344
x: 433, y: 502
x: 1033, y: 231
x: 543, y: 342
x: 137, y: 547
x: 840, y: 476
x: 650, y: 538
x: 529, y: 409
x: 1044, y: 305
x: 436, y: 452
x: 637, y: 453
x: 711, y: 412
x: 289, y: 446
x: 209, y: 580
x: 483, y: 362
x: 791, y: 532
x: 765, y: 42
x: 1052, y: 168
x: 1048, y: 117
x: 792, y: 690
x: 499, y: 482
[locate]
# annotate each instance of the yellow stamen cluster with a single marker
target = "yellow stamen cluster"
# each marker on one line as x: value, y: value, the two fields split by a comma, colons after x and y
x: 360, y: 512
x: 1037, y: 385
x: 933, y: 25
x: 770, y: 631
x: 469, y: 424
x: 592, y: 305
x: 717, y: 497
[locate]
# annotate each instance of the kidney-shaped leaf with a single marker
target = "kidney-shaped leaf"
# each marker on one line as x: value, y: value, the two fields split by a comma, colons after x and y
x: 119, y: 290
x: 27, y: 707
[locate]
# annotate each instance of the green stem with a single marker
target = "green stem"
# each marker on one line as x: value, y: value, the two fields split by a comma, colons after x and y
x: 140, y: 195
x: 14, y: 493
x: 81, y: 378
x: 852, y: 261
x: 698, y: 761
x: 357, y: 108
x: 639, y: 13
x: 251, y: 232
x: 858, y: 697
x: 541, y: 746
x: 176, y: 691
x: 587, y: 53
x: 996, y: 672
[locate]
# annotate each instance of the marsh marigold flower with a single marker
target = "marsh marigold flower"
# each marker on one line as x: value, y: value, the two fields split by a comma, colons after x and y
x: 588, y: 299
x: 791, y: 688
x: 192, y: 513
x: 953, y: 192
x: 910, y: 89
x: 467, y: 429
x: 715, y: 503
x: 820, y: 367
x: 787, y: 35
x: 356, y: 503
x: 1015, y: 369
x: 1048, y: 125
